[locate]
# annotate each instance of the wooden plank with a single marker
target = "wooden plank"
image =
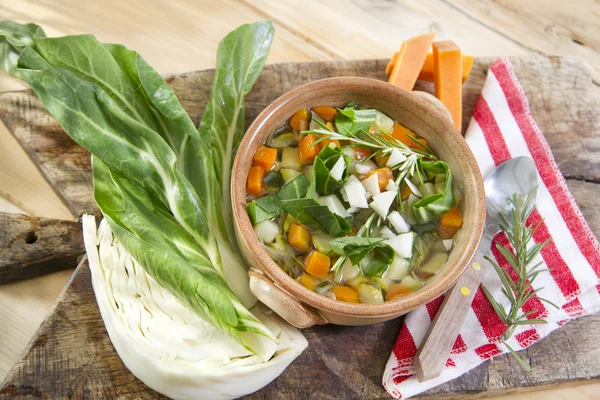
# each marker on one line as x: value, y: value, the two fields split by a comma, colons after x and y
x: 340, y: 362
x: 551, y: 28
x: 31, y: 246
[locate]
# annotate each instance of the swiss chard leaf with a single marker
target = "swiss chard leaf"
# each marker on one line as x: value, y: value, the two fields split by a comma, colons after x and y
x: 294, y: 189
x: 356, y: 248
x: 240, y: 59
x: 326, y: 159
x: 354, y: 121
x: 264, y: 208
x: 14, y: 38
x: 432, y: 207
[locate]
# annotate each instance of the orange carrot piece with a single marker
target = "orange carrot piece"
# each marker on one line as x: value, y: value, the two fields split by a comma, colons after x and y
x: 401, y: 133
x: 325, y: 143
x: 447, y: 68
x: 419, y: 144
x: 381, y: 161
x: 406, y: 192
x: 308, y: 281
x: 410, y: 60
x: 345, y: 293
x: 383, y: 176
x: 325, y: 112
x: 265, y: 157
x: 299, y: 120
x: 450, y: 223
x: 390, y: 66
x: 307, y: 151
x: 255, y: 180
x: 317, y: 264
x: 299, y: 238
x: 426, y: 73
x: 361, y: 152
x: 397, y: 290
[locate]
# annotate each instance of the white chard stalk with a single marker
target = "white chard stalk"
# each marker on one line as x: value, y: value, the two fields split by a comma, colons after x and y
x: 167, y: 345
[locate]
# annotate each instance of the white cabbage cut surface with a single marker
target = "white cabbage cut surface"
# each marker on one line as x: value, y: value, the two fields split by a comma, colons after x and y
x: 165, y: 344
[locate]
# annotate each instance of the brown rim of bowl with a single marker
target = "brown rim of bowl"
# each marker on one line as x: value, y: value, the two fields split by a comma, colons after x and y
x: 430, y: 291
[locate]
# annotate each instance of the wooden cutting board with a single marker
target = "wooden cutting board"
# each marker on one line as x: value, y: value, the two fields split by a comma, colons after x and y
x: 71, y: 355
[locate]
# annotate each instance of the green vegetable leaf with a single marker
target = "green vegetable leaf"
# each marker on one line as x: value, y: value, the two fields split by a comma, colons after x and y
x: 354, y: 121
x: 240, y: 59
x: 326, y: 159
x: 264, y: 208
x: 432, y: 207
x: 356, y: 248
x: 294, y: 189
x: 14, y: 38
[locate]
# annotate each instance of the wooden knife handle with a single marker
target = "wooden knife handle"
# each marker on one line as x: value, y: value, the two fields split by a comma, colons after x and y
x: 437, y: 344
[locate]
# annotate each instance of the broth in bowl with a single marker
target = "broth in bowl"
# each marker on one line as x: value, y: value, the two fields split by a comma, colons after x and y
x: 352, y: 205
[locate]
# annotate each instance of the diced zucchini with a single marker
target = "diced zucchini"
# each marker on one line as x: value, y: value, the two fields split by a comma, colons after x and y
x: 279, y: 244
x: 283, y: 140
x: 439, y: 187
x: 266, y: 231
x: 415, y: 180
x: 349, y: 271
x: 308, y: 171
x: 399, y: 268
x: 289, y: 159
x: 356, y: 281
x: 440, y: 178
x: 432, y: 266
x: 370, y: 293
x: 323, y: 287
x: 385, y: 282
x: 289, y: 220
x: 411, y: 282
x: 426, y: 189
x: 273, y: 181
x: 322, y: 242
x: 407, y: 211
x: 383, y: 123
x: 288, y: 174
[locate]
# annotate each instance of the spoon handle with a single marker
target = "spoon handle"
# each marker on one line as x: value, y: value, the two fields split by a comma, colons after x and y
x: 437, y: 344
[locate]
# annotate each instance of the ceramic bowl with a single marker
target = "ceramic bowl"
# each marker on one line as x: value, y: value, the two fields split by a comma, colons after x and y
x: 419, y: 112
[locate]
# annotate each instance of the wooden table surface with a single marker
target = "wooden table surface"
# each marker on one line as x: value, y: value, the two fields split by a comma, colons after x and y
x: 183, y: 36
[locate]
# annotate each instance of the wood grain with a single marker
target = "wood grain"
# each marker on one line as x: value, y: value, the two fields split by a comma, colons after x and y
x: 31, y: 246
x: 341, y: 362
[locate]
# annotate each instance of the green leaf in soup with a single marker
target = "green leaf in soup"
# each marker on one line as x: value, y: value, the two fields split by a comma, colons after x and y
x: 264, y: 208
x: 432, y: 207
x: 383, y: 256
x: 352, y: 121
x: 240, y: 59
x: 295, y: 189
x: 14, y: 38
x: 322, y: 179
x: 329, y: 222
x: 168, y: 253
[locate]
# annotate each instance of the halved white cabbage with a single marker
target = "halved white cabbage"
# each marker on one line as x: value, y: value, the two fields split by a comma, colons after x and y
x: 165, y: 344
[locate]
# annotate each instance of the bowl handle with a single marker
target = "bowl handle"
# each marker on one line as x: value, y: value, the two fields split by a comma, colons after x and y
x: 288, y: 307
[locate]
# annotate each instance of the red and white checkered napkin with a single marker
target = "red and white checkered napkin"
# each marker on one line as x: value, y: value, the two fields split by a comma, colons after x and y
x: 502, y: 127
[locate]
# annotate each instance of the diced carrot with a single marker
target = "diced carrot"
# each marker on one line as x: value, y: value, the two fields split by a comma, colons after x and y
x: 447, y: 69
x: 419, y: 144
x: 307, y: 151
x: 397, y: 290
x: 345, y: 293
x: 308, y: 281
x: 325, y: 112
x: 450, y: 223
x: 361, y: 152
x: 299, y: 238
x: 265, y: 157
x: 325, y: 143
x: 410, y: 61
x: 401, y: 133
x: 426, y: 73
x: 406, y: 192
x: 255, y: 180
x: 383, y: 176
x: 299, y: 120
x: 381, y: 160
x: 317, y: 264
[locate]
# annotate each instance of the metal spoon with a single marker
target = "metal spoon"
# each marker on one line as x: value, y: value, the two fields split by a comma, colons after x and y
x: 517, y: 175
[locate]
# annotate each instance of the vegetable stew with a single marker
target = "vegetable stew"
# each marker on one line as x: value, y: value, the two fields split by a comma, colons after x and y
x: 353, y: 205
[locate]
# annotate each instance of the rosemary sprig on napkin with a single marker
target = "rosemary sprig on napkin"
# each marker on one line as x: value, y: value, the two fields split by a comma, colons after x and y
x: 519, y: 291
